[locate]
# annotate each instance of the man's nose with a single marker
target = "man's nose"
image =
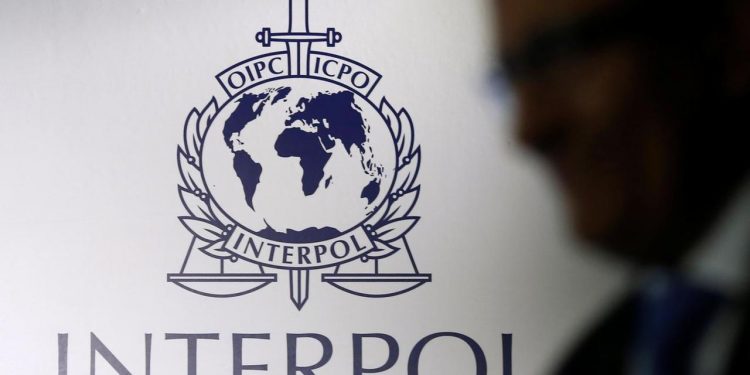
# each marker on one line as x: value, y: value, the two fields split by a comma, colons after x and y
x: 541, y: 117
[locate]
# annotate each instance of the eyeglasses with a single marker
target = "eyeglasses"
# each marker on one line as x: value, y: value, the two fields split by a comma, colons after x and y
x: 632, y: 20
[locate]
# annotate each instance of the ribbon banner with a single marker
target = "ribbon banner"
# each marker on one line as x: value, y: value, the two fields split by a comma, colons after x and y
x: 252, y: 72
x: 326, y: 66
x: 347, y: 72
x: 257, y: 249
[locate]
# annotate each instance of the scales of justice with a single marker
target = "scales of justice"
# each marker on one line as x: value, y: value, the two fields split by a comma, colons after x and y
x: 388, y: 269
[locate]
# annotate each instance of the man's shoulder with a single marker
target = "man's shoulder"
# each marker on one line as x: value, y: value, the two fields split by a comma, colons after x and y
x: 602, y: 349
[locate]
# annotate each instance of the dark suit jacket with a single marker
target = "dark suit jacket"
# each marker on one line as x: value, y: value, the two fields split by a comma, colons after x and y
x: 606, y: 348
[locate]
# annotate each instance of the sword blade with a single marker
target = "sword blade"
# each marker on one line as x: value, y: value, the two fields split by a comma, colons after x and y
x: 299, y: 285
x: 298, y: 16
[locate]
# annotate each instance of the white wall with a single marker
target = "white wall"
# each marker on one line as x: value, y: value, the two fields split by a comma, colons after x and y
x: 93, y: 95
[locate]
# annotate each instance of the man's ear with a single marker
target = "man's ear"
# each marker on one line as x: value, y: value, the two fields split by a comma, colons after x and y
x: 737, y: 48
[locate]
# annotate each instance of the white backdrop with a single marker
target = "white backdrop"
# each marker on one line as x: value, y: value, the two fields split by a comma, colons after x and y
x: 93, y: 95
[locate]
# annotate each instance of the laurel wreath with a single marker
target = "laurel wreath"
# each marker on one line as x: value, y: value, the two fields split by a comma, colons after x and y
x: 210, y: 227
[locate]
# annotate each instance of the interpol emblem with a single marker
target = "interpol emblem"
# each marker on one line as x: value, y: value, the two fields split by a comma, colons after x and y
x: 299, y: 170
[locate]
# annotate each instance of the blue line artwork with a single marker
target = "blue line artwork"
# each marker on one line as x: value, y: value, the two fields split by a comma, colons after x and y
x: 299, y: 170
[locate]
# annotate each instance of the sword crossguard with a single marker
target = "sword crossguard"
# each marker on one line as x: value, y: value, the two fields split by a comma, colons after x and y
x: 265, y: 37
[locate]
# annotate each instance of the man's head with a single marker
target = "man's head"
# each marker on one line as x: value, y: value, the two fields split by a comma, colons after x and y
x: 639, y: 107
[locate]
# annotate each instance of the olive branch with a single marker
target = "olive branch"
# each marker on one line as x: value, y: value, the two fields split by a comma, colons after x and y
x: 391, y: 221
x: 209, y: 226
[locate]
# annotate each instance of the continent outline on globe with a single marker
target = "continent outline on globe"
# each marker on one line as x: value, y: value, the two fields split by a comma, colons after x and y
x: 335, y: 116
x: 260, y: 100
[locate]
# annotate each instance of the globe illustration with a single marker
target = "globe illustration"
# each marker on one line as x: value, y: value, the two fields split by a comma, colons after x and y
x: 298, y: 160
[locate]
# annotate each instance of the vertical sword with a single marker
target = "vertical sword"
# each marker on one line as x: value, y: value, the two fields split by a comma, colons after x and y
x: 298, y: 40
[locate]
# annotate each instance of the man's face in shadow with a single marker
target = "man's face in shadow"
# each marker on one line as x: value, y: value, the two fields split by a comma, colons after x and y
x: 607, y: 115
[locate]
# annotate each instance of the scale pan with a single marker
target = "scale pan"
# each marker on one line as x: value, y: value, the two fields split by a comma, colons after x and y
x: 377, y: 285
x: 222, y: 285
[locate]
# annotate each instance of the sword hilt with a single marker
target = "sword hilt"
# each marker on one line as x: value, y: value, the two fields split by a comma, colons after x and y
x: 265, y: 37
x: 299, y: 29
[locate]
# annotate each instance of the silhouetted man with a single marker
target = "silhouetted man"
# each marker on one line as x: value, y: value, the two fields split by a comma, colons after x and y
x: 641, y: 109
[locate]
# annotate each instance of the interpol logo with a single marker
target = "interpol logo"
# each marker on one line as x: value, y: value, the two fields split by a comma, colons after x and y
x: 299, y: 170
